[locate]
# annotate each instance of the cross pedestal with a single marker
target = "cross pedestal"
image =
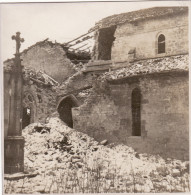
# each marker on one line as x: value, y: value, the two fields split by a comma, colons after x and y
x: 14, y: 154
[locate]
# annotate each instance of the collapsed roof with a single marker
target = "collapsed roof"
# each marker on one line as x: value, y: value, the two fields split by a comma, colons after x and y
x: 75, y: 56
x: 143, y: 67
x: 33, y: 75
x: 138, y: 15
x: 38, y: 77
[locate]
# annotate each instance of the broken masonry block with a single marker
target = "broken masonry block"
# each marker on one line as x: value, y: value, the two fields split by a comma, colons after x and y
x: 104, y: 142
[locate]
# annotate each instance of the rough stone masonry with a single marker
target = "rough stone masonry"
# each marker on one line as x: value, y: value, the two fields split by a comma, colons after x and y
x: 143, y: 102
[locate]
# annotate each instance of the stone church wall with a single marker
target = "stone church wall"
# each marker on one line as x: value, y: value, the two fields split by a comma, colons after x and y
x: 143, y: 36
x: 43, y: 102
x: 40, y: 99
x: 49, y: 58
x: 164, y: 113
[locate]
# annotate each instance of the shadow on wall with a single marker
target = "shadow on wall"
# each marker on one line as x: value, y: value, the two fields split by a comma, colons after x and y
x: 105, y: 43
x: 64, y: 109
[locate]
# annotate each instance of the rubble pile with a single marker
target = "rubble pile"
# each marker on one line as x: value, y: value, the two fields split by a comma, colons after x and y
x: 71, y: 79
x: 68, y: 161
x: 38, y: 77
x: 176, y: 63
x: 32, y: 75
x: 84, y: 93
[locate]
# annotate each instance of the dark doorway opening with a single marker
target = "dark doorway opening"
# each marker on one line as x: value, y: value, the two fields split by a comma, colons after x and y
x: 65, y: 110
x: 136, y: 112
x: 105, y: 42
x: 26, y: 117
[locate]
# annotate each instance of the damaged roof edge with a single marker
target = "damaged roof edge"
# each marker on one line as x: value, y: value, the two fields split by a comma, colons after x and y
x: 150, y: 66
x: 154, y: 74
x: 51, y: 44
x: 138, y: 15
x: 34, y: 45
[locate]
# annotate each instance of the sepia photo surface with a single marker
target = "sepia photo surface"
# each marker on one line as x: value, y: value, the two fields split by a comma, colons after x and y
x: 95, y: 97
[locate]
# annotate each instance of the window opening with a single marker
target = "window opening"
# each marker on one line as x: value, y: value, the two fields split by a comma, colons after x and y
x: 161, y: 44
x: 26, y: 117
x: 136, y: 112
x: 105, y: 42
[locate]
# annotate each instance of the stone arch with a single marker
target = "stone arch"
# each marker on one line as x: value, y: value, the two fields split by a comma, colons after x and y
x: 136, y: 112
x: 29, y: 109
x: 64, y: 109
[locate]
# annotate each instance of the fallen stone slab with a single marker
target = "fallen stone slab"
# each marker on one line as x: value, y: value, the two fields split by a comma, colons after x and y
x: 104, y: 142
x: 17, y: 176
x: 175, y: 173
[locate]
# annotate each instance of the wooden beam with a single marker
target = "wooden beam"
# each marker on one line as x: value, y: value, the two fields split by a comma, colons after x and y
x: 79, y: 37
x: 38, y: 81
x: 81, y: 46
x: 79, y: 60
x: 80, y: 41
x: 49, y: 77
x: 79, y: 49
x: 86, y: 48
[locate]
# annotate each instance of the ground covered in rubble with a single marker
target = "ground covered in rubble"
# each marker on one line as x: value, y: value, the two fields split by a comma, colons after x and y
x: 68, y: 161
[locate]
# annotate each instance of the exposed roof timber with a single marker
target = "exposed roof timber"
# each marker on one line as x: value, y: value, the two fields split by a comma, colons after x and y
x: 80, y: 41
x: 86, y: 48
x: 79, y: 37
x: 79, y: 60
x: 38, y: 81
x: 78, y: 52
x: 77, y: 49
x: 81, y: 46
x: 49, y: 77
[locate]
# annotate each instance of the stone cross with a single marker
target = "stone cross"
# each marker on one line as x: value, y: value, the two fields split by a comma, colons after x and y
x: 18, y: 41
x: 14, y: 141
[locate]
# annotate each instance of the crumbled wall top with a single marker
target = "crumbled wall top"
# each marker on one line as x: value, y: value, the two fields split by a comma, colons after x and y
x: 138, y: 15
x: 143, y: 67
x: 40, y: 43
x: 65, y: 49
x: 38, y: 77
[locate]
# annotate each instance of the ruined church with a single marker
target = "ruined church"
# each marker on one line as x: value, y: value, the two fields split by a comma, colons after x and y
x: 132, y: 89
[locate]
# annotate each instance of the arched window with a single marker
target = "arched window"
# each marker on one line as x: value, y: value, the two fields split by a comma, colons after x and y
x: 136, y: 112
x: 161, y: 44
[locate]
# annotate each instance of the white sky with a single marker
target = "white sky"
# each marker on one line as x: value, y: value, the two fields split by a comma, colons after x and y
x: 58, y: 21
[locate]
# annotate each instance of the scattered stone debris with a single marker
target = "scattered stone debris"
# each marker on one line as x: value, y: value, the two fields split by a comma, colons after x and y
x: 178, y: 63
x: 69, y: 161
x: 38, y: 77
